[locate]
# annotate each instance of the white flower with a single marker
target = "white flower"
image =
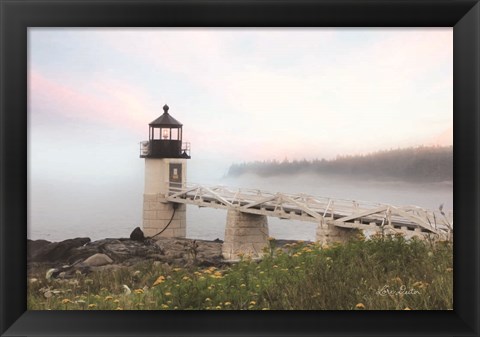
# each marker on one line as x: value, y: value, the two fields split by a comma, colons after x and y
x: 127, y: 289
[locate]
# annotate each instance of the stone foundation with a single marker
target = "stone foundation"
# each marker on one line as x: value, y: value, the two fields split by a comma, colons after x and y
x: 328, y: 233
x: 157, y: 213
x: 245, y: 234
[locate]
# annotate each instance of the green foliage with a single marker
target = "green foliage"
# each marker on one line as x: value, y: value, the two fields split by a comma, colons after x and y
x: 383, y: 273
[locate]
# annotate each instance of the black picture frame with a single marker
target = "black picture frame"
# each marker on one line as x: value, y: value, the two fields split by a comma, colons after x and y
x: 18, y: 15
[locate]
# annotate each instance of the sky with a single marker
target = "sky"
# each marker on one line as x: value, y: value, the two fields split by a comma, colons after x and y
x: 242, y: 94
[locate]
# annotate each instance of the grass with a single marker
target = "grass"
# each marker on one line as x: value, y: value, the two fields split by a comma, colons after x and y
x: 382, y: 273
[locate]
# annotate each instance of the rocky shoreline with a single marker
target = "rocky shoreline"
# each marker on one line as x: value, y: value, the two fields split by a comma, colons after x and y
x: 66, y: 258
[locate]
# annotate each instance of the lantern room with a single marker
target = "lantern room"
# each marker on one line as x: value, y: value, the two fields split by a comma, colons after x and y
x: 165, y: 139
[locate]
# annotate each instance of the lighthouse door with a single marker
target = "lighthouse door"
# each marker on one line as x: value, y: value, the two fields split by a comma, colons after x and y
x: 175, y: 176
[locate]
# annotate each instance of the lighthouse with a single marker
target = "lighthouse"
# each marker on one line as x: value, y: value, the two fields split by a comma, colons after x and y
x: 165, y: 170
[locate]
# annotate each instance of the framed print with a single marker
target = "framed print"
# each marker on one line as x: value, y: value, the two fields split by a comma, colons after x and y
x: 374, y: 101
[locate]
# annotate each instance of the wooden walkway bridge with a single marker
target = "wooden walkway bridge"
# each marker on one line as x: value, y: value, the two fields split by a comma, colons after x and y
x: 339, y: 212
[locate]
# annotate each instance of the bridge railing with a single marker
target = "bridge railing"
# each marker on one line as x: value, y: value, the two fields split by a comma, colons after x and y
x: 315, y: 207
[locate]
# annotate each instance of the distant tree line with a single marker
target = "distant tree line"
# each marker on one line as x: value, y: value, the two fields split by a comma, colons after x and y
x: 429, y: 164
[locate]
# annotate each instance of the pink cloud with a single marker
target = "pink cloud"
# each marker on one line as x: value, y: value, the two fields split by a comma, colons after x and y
x: 106, y: 101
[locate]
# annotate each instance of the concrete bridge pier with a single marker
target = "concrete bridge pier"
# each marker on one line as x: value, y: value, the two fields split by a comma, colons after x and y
x: 328, y: 233
x: 245, y: 234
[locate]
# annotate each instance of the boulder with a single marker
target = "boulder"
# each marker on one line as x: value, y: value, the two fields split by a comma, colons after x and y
x: 97, y: 260
x: 137, y: 235
x: 56, y: 251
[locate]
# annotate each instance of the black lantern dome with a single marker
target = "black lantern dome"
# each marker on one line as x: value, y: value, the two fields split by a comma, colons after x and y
x: 165, y: 139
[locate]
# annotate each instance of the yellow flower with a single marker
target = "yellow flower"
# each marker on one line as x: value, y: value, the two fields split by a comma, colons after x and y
x: 164, y: 306
x: 407, y: 308
x: 159, y: 280
x: 66, y: 301
x: 265, y: 309
x: 108, y: 298
x: 242, y: 285
x: 270, y: 238
x: 168, y: 293
x: 274, y: 266
x: 262, y: 272
x: 176, y: 269
x: 118, y: 308
x: 253, y: 302
x: 360, y: 306
x: 116, y: 301
x: 227, y: 304
x: 91, y: 306
x: 185, y: 278
x: 218, y: 307
x: 138, y: 291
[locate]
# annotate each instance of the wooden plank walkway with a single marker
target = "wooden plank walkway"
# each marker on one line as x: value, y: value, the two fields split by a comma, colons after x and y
x: 340, y: 212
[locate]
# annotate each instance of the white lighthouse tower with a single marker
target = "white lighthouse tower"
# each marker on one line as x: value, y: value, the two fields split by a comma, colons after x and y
x: 165, y: 169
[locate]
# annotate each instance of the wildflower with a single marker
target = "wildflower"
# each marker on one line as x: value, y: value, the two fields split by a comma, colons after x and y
x: 32, y: 280
x: 138, y: 291
x: 103, y: 289
x: 136, y: 273
x: 108, y: 298
x: 201, y: 278
x: 127, y: 289
x: 168, y: 293
x: 265, y: 309
x: 159, y: 280
x: 360, y: 306
x: 164, y: 306
x: 91, y: 306
x: 177, y: 269
x: 242, y: 285
x: 274, y: 266
x: 207, y: 299
x: 66, y: 301
x: 297, y: 267
x: 218, y: 307
x: 253, y: 302
x: 262, y: 272
x: 296, y: 255
x: 407, y: 308
x: 88, y: 281
x: 186, y: 278
x: 449, y: 269
x: 118, y: 308
x: 227, y: 304
x: 116, y: 301
x: 48, y: 294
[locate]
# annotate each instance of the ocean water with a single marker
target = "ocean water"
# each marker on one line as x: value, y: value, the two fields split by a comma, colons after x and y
x: 100, y: 210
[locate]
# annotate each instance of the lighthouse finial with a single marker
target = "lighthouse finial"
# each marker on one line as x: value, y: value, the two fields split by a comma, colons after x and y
x: 165, y: 108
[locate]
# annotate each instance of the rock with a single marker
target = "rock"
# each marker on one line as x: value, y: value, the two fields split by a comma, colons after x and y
x: 57, y: 251
x: 97, y: 260
x: 137, y: 235
x: 33, y: 246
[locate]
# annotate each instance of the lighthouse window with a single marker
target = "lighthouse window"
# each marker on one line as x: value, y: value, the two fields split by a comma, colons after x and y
x: 156, y: 133
x: 175, y: 134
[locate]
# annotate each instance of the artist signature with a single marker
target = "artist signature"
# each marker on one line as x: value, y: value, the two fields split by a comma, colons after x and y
x: 386, y: 291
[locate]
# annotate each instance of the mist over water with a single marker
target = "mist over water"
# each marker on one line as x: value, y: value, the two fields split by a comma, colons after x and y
x: 113, y: 209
